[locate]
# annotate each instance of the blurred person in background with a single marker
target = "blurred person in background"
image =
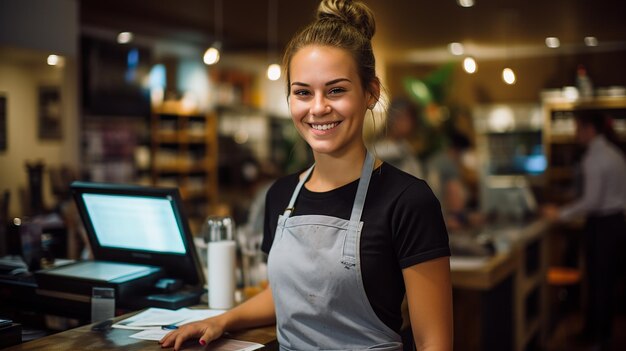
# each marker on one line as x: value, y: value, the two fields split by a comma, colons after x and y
x: 603, y: 202
x: 446, y: 177
x: 395, y: 145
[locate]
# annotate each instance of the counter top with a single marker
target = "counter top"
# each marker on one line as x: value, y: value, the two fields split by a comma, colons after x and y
x: 83, y: 338
x: 485, y: 272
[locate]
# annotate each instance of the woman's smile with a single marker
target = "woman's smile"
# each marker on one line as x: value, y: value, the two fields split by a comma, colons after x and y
x: 323, y: 128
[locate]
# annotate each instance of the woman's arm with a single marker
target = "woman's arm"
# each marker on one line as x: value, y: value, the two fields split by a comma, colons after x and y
x: 429, y: 295
x: 257, y: 311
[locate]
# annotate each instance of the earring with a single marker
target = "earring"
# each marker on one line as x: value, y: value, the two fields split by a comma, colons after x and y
x: 371, y: 107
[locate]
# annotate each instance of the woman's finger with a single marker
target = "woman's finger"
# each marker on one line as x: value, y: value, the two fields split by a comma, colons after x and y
x: 208, y: 336
x: 166, y: 341
x: 182, y: 336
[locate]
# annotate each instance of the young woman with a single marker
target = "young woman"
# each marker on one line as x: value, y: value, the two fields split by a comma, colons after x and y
x: 349, y: 237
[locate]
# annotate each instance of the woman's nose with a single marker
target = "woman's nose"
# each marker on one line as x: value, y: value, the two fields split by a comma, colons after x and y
x: 320, y: 107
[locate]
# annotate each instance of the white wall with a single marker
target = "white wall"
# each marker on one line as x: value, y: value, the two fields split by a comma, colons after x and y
x: 19, y: 84
x: 29, y: 31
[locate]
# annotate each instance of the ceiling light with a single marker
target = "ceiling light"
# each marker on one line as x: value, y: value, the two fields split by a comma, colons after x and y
x: 465, y: 3
x: 508, y: 76
x: 55, y: 60
x: 273, y: 71
x: 212, y: 54
x: 124, y: 37
x: 553, y: 42
x: 469, y: 65
x: 456, y: 49
x: 591, y: 41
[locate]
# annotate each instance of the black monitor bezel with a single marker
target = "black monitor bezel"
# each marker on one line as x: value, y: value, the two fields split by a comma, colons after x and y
x: 183, y: 266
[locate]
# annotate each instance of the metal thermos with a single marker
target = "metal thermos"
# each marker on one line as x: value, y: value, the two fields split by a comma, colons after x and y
x: 218, y: 228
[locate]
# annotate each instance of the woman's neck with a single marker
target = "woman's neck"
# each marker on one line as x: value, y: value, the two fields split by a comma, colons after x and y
x: 332, y: 172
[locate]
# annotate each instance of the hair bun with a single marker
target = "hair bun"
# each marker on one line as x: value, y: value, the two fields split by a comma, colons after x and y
x: 351, y: 12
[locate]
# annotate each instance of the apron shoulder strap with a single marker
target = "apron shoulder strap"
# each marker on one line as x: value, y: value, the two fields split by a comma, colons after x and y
x: 361, y: 192
x: 294, y: 196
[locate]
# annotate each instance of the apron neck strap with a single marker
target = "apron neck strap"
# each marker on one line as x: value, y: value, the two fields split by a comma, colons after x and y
x: 361, y: 192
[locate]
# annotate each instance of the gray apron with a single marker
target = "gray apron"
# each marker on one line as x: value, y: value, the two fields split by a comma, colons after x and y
x: 314, y: 271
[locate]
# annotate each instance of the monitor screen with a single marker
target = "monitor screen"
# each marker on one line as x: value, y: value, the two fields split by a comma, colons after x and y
x: 136, y: 224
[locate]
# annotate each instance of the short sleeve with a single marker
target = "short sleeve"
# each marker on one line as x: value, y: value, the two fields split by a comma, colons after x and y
x: 268, y: 226
x: 418, y: 230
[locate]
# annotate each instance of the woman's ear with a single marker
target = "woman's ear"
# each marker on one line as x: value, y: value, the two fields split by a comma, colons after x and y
x: 374, y: 93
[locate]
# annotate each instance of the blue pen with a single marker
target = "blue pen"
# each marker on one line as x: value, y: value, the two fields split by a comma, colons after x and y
x: 169, y: 327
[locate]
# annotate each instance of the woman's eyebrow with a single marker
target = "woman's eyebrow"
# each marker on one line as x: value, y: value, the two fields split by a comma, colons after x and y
x: 334, y: 81
x: 338, y: 80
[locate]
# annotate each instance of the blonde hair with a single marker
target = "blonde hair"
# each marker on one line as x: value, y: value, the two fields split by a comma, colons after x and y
x: 343, y: 24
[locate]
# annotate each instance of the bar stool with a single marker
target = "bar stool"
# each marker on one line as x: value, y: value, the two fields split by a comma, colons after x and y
x: 566, y: 281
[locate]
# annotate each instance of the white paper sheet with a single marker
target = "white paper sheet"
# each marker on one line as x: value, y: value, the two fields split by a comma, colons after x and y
x: 154, y: 318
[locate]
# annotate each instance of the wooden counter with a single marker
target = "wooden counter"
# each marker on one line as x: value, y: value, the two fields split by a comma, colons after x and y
x: 83, y: 338
x: 487, y: 272
x: 500, y: 302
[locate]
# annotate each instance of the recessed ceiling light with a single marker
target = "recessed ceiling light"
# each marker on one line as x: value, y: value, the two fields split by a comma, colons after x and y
x: 456, y: 49
x: 469, y: 65
x: 508, y: 76
x: 591, y: 41
x: 273, y: 71
x: 465, y: 3
x: 55, y: 60
x: 124, y: 37
x: 553, y: 42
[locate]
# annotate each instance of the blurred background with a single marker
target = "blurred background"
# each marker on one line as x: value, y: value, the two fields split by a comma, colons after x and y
x: 480, y: 98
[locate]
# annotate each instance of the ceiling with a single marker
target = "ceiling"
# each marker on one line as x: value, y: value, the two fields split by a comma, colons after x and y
x: 404, y: 27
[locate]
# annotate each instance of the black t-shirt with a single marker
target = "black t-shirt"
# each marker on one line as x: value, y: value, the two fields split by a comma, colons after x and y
x: 402, y: 226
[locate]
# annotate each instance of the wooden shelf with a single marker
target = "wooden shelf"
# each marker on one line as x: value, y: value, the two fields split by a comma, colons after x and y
x: 184, y: 153
x: 559, y: 138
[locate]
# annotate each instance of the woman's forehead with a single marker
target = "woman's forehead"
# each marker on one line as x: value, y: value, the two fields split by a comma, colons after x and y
x: 321, y: 62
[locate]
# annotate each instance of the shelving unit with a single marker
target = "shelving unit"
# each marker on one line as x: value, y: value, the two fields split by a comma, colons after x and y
x: 184, y: 149
x: 562, y: 151
x: 500, y: 301
x: 531, y: 323
x: 563, y: 155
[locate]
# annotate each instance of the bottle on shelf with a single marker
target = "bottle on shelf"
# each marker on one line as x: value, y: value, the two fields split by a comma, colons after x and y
x: 583, y: 82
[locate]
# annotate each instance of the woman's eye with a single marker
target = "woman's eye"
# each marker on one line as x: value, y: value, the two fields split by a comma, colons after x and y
x: 301, y: 92
x: 335, y: 91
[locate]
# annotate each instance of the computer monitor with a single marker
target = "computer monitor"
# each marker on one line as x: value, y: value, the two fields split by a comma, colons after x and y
x: 507, y: 196
x: 137, y: 224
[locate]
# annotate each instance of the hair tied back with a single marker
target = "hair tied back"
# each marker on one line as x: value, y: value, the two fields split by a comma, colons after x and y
x: 350, y: 12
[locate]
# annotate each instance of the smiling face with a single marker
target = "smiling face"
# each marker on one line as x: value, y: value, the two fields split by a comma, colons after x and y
x: 327, y: 100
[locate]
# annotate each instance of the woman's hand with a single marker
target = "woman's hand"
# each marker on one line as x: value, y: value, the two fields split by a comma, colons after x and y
x: 206, y: 330
x: 255, y: 312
